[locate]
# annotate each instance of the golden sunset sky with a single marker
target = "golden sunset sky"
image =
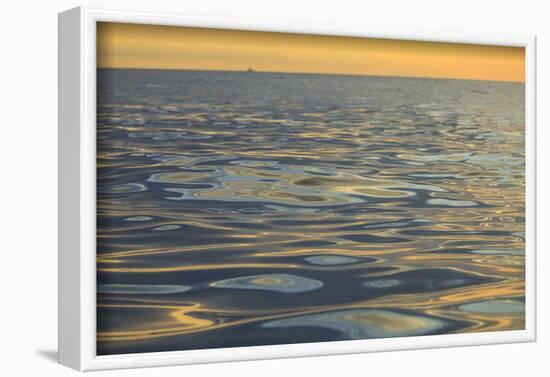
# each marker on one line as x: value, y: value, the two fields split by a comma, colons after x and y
x: 169, y: 47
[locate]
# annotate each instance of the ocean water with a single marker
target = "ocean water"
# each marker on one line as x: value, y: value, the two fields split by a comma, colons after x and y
x: 238, y: 209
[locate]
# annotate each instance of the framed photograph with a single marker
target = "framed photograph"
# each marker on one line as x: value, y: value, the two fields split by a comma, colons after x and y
x: 236, y: 189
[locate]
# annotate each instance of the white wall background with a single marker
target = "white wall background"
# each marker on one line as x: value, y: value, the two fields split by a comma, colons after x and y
x: 28, y: 184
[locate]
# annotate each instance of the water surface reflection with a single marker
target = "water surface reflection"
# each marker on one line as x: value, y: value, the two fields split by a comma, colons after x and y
x: 241, y: 209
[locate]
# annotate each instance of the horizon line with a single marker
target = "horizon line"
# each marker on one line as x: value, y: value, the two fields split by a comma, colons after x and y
x: 255, y: 71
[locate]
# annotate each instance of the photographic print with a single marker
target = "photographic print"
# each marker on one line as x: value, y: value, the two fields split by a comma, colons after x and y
x: 260, y: 188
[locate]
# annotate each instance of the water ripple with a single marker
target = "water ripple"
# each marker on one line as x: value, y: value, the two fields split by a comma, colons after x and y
x: 241, y: 209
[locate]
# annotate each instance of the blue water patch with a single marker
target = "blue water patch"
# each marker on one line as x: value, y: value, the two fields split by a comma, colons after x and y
x: 330, y: 260
x: 452, y: 202
x: 166, y: 227
x: 145, y: 289
x: 382, y: 283
x: 494, y: 307
x: 123, y: 188
x: 365, y: 323
x: 283, y: 283
x: 139, y: 218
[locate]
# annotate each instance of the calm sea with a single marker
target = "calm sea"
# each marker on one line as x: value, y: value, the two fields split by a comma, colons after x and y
x: 239, y: 209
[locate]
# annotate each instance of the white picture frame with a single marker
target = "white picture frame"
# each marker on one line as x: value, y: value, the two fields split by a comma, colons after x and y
x: 77, y: 185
